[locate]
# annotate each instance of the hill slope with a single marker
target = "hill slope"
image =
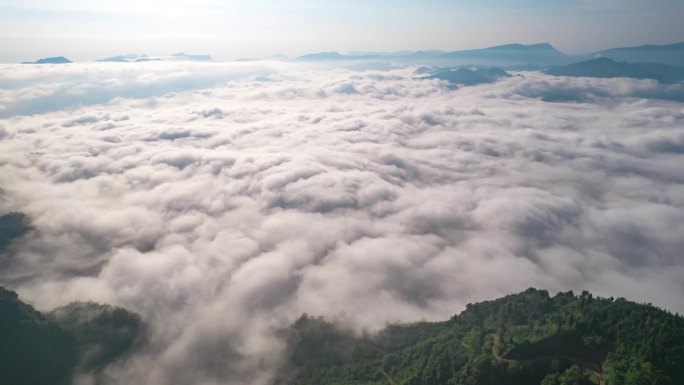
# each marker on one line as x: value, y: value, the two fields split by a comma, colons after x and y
x: 526, y: 338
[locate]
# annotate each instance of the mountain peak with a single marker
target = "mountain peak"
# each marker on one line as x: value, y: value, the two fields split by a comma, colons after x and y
x: 542, y: 45
x: 524, y: 47
x: 510, y: 54
x: 127, y: 58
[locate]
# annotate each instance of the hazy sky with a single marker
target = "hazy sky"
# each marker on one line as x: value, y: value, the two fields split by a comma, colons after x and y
x: 89, y: 29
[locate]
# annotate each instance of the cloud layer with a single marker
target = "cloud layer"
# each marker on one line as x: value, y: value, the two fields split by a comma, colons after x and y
x: 221, y: 214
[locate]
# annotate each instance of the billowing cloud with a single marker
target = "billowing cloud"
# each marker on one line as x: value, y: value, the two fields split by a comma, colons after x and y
x: 221, y: 214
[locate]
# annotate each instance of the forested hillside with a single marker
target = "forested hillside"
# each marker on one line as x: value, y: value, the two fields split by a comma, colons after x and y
x: 526, y: 338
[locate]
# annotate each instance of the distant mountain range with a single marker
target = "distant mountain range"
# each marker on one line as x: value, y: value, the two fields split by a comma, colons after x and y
x: 660, y: 62
x: 672, y: 54
x: 607, y: 68
x: 594, y: 68
x: 644, y: 62
x: 130, y: 58
x: 187, y: 57
x: 513, y: 56
x: 135, y: 58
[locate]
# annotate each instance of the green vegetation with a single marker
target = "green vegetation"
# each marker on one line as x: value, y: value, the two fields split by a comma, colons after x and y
x: 526, y: 338
x: 48, y: 349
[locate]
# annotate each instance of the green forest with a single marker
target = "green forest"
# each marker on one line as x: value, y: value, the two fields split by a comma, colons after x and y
x: 521, y: 339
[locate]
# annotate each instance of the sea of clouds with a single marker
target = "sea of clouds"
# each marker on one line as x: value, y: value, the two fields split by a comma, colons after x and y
x: 221, y: 201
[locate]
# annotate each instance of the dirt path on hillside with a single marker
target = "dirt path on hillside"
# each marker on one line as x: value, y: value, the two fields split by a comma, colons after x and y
x: 384, y: 373
x: 495, y: 349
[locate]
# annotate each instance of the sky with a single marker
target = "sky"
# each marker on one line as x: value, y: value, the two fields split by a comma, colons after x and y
x: 92, y: 29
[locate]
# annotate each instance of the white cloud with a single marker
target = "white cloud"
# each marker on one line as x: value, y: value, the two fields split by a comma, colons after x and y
x: 222, y: 213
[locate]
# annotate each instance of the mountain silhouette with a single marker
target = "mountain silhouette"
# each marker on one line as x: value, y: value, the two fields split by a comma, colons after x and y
x: 468, y: 77
x: 512, y: 54
x: 328, y: 56
x: 50, y: 60
x: 135, y: 58
x: 124, y: 58
x: 543, y: 54
x: 186, y: 57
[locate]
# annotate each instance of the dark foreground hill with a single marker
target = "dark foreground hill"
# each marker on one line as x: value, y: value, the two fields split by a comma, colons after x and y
x: 527, y: 338
x: 39, y: 349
